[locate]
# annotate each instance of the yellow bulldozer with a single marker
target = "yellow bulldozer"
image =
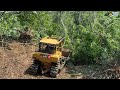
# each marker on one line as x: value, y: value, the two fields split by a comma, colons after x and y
x: 51, y: 56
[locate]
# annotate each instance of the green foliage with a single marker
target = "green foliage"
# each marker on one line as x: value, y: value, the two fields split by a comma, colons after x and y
x: 93, y: 37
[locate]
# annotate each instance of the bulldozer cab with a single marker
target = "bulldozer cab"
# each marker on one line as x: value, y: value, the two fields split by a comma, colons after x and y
x: 50, y: 45
x: 47, y: 48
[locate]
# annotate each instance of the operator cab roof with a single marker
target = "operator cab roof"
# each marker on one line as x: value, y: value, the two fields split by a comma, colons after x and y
x: 50, y: 40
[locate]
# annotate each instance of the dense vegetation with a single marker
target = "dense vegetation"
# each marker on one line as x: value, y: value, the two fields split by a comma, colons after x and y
x: 93, y: 36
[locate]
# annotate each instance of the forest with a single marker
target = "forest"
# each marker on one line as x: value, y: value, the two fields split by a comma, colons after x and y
x: 93, y: 37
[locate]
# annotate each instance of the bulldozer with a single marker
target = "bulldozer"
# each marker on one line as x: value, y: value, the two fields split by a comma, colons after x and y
x: 50, y: 57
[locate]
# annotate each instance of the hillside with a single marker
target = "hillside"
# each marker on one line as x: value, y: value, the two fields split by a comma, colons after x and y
x: 93, y: 37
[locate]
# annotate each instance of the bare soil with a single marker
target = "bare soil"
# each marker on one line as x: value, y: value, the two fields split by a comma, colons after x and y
x: 17, y: 59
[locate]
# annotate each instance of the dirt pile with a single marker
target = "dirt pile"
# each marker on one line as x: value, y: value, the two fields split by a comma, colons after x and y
x: 14, y: 62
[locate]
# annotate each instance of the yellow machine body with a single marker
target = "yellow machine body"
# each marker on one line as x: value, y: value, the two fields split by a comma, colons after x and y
x: 49, y: 40
x: 47, y: 58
